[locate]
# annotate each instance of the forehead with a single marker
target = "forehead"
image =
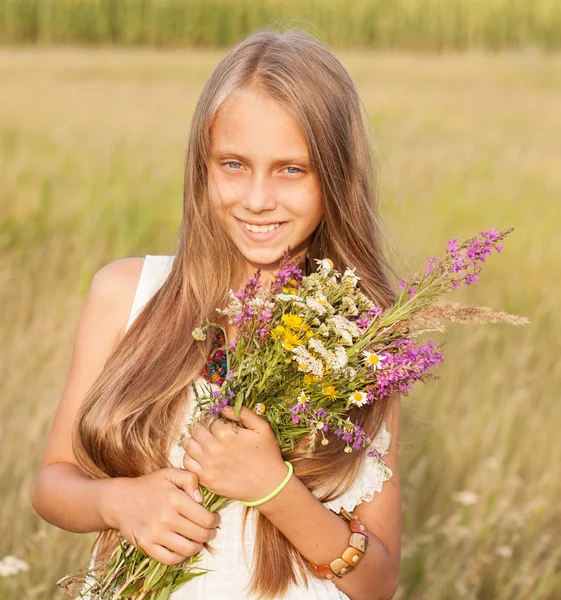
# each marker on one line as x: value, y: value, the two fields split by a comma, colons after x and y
x: 254, y: 124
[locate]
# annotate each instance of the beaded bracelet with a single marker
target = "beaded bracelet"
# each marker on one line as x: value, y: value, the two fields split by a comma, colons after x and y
x: 275, y: 491
x: 352, y: 556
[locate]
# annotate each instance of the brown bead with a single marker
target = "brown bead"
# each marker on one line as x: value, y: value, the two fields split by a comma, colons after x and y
x: 357, y: 526
x: 359, y: 541
x: 325, y: 571
x: 339, y: 566
x: 352, y: 556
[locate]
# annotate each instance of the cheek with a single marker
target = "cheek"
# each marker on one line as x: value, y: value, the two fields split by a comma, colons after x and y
x: 308, y: 208
x: 222, y: 193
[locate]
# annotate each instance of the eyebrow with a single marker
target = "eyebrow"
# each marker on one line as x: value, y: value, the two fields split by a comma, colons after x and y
x: 221, y: 154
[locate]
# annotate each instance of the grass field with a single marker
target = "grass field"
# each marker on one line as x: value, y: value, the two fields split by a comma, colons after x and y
x: 92, y: 146
x: 405, y: 24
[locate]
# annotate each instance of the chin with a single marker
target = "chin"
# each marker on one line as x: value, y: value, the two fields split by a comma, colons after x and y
x: 263, y: 257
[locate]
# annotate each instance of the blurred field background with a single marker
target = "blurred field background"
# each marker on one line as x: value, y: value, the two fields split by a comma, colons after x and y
x: 412, y: 24
x: 92, y: 144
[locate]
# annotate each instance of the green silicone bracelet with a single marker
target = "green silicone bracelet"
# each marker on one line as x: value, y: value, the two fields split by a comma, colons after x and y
x: 274, y: 492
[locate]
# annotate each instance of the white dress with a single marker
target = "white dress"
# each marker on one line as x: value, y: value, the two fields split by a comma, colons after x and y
x: 231, y: 569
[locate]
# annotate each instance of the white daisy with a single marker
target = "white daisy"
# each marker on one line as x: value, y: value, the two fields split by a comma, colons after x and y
x: 357, y: 399
x: 373, y: 360
x: 351, y: 275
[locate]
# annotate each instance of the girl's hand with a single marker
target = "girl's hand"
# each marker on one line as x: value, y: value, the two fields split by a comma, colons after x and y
x: 244, y: 464
x: 162, y: 511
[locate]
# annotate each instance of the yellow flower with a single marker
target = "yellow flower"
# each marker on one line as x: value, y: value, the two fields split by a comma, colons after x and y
x: 330, y: 391
x: 308, y: 379
x: 302, y: 398
x: 309, y: 333
x: 290, y: 339
x: 293, y: 321
x: 277, y: 332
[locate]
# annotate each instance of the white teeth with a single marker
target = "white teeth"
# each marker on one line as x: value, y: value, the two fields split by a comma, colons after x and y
x: 261, y: 228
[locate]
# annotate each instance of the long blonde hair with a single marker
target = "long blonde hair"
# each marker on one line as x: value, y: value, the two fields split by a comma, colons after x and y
x: 123, y: 427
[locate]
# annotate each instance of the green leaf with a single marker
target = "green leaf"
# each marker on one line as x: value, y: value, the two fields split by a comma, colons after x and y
x: 154, y: 577
x: 164, y: 593
x: 239, y: 402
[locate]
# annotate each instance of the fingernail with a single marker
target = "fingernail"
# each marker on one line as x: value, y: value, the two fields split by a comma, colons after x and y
x: 198, y: 496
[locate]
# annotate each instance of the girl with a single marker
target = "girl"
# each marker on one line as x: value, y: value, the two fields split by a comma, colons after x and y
x: 278, y: 157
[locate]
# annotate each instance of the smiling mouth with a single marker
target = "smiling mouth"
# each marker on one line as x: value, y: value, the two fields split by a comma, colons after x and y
x: 260, y: 228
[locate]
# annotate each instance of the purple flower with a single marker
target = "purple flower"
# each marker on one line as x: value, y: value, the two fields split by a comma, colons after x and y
x: 366, y: 319
x: 452, y: 246
x: 465, y: 260
x: 403, y: 368
x: 285, y: 273
x: 469, y: 279
x: 432, y: 265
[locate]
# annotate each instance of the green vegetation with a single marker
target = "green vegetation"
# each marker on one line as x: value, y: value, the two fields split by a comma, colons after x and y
x: 92, y: 146
x: 406, y: 24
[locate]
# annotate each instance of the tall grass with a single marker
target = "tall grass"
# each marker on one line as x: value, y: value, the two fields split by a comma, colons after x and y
x: 407, y: 24
x: 93, y: 173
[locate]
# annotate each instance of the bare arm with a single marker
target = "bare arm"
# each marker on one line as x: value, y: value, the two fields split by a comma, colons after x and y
x: 160, y: 511
x: 62, y: 493
x: 321, y: 536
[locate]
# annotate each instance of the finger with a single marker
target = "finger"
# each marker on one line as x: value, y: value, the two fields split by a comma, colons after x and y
x: 200, y: 434
x: 193, y: 531
x: 193, y: 449
x: 192, y: 465
x: 187, y: 481
x: 247, y: 417
x: 163, y: 555
x: 178, y: 544
x: 219, y: 428
x: 200, y: 515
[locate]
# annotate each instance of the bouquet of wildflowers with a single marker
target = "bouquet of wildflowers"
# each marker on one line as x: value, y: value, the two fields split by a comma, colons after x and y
x: 307, y: 351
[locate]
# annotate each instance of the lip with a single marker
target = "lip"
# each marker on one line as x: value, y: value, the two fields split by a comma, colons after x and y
x: 260, y: 236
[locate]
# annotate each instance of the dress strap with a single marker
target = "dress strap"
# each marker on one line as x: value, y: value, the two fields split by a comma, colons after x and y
x: 155, y: 270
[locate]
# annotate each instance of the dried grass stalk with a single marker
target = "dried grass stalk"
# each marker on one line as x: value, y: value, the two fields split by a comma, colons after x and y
x: 432, y: 316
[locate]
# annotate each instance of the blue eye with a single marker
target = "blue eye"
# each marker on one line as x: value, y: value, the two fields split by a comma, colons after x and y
x: 234, y: 162
x: 300, y: 170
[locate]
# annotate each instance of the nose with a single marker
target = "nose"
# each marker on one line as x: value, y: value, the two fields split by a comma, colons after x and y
x: 259, y: 195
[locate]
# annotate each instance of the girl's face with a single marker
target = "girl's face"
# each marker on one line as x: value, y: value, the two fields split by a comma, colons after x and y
x: 262, y: 188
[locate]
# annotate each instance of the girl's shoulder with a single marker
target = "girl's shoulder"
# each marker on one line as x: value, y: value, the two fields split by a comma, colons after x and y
x: 149, y: 277
x: 131, y: 282
x: 118, y: 282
